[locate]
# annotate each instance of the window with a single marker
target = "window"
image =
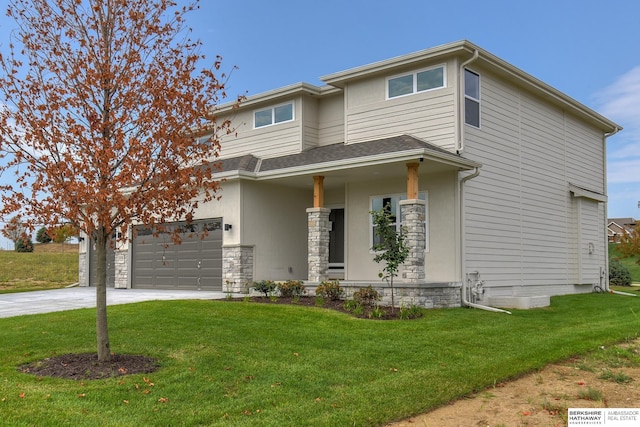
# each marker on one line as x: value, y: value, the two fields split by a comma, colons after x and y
x: 271, y: 116
x: 420, y: 81
x: 471, y: 98
x: 392, y: 204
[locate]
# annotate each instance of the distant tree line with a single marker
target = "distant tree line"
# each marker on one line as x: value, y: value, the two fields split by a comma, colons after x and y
x: 17, y: 231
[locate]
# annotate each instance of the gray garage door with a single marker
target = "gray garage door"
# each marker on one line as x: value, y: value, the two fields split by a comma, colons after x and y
x: 194, y: 264
x: 111, y: 271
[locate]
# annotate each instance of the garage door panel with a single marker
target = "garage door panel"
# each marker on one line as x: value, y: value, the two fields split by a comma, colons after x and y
x: 194, y: 264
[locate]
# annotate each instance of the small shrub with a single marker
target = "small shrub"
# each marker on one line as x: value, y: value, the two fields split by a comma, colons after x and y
x: 330, y: 290
x: 267, y: 287
x: 291, y: 289
x: 319, y: 301
x: 358, y: 311
x: 367, y: 297
x: 24, y: 245
x: 377, y: 313
x: 42, y: 236
x: 411, y: 312
x: 351, y: 305
x: 618, y: 274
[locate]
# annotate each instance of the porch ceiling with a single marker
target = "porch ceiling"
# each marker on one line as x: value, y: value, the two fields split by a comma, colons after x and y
x: 335, y: 178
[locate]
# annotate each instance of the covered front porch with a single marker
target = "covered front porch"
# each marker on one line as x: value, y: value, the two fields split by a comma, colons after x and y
x: 345, y: 182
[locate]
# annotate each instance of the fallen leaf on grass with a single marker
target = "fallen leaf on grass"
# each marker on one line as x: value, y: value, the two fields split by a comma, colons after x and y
x: 163, y: 400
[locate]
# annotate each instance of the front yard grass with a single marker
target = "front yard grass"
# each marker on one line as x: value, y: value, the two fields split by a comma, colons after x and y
x: 50, y: 266
x: 245, y: 364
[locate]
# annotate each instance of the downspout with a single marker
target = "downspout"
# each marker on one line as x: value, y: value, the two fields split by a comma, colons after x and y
x: 476, y: 172
x: 460, y: 147
x: 606, y: 272
x: 465, y: 301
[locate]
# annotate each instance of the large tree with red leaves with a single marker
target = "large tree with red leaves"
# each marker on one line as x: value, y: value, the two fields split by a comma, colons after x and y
x: 103, y: 109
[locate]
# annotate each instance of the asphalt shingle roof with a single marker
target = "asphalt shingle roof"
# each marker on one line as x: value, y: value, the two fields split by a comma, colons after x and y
x: 331, y: 153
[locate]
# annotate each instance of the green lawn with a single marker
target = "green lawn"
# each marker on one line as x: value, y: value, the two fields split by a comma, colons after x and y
x: 38, y: 270
x: 631, y: 262
x: 243, y: 364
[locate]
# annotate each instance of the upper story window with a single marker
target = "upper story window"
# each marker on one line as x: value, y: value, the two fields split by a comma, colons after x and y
x: 273, y: 115
x: 472, y: 98
x: 419, y: 81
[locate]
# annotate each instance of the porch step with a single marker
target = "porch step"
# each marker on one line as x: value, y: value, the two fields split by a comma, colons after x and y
x: 520, y: 302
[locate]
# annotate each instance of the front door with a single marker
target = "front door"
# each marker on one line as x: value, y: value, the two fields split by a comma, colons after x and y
x: 336, y: 244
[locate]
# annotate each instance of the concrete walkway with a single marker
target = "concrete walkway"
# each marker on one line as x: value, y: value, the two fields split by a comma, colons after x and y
x: 21, y: 303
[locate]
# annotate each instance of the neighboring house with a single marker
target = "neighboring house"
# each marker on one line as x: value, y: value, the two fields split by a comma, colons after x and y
x: 618, y: 227
x: 498, y: 178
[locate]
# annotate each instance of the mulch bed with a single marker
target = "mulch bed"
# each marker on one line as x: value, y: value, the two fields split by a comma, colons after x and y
x: 86, y: 366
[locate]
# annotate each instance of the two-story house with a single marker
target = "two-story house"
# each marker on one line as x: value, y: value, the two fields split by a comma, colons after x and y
x: 619, y: 227
x: 498, y: 178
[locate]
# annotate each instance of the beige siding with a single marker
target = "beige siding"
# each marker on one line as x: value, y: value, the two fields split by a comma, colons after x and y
x: 310, y: 123
x: 269, y: 141
x: 429, y: 115
x: 520, y: 214
x: 585, y: 154
x: 322, y: 120
x: 331, y: 119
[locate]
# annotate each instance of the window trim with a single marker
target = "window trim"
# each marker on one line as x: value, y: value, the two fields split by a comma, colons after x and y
x: 414, y: 74
x: 473, y: 99
x: 422, y: 195
x: 273, y: 114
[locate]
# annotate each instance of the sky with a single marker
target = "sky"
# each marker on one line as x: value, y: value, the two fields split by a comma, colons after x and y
x: 588, y: 49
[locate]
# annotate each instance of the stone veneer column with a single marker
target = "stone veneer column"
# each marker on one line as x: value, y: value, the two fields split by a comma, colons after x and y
x: 121, y: 269
x: 237, y: 268
x: 83, y: 279
x: 318, y: 244
x: 413, y: 222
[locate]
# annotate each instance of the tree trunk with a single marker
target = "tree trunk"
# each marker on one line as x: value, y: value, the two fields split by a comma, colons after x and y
x: 102, y: 331
x: 393, y: 302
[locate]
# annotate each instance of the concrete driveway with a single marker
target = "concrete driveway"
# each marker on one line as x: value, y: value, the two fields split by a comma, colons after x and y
x: 18, y: 304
